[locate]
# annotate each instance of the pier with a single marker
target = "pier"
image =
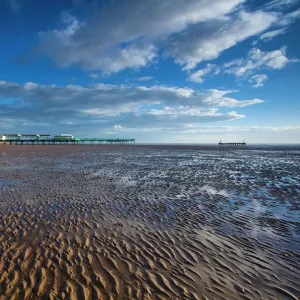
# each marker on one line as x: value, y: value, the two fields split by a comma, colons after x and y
x: 232, y: 143
x: 64, y: 139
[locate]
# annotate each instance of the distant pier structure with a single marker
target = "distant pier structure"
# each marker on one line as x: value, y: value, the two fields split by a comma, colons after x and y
x: 232, y: 143
x: 61, y: 139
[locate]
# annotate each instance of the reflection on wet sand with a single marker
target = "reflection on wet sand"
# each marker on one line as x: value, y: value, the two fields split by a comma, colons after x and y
x: 145, y: 223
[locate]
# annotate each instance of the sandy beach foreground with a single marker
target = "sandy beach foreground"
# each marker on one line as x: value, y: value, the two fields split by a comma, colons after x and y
x: 108, y: 222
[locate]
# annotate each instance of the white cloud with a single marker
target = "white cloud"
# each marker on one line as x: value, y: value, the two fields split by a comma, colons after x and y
x: 258, y: 59
x: 94, y: 76
x: 281, y: 25
x: 129, y: 34
x: 175, y: 117
x: 206, y: 42
x: 243, y: 68
x: 114, y: 105
x: 181, y: 92
x: 271, y: 34
x: 289, y: 18
x: 63, y: 47
x: 217, y: 98
x: 280, y: 4
x: 145, y: 78
x: 30, y: 86
x: 118, y: 126
x: 199, y: 75
x: 258, y: 80
x: 103, y: 86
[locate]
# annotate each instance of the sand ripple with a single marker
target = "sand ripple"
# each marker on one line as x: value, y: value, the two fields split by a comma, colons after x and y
x: 137, y: 223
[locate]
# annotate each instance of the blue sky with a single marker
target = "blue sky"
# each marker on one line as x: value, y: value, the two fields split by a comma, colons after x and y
x: 173, y: 71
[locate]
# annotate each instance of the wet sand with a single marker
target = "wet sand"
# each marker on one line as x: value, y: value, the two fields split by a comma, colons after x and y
x: 149, y: 222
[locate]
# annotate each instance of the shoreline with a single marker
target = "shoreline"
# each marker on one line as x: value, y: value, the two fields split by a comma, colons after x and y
x: 162, y: 146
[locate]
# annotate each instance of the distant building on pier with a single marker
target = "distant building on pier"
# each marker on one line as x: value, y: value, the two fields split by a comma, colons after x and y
x: 7, y: 136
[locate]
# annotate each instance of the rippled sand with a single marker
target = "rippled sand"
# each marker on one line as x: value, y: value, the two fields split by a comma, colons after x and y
x: 96, y: 222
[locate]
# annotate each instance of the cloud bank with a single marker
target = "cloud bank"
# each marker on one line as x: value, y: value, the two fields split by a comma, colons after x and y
x: 131, y: 34
x: 107, y: 105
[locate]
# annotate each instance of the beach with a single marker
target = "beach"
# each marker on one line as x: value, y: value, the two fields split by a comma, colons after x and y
x: 149, y: 222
